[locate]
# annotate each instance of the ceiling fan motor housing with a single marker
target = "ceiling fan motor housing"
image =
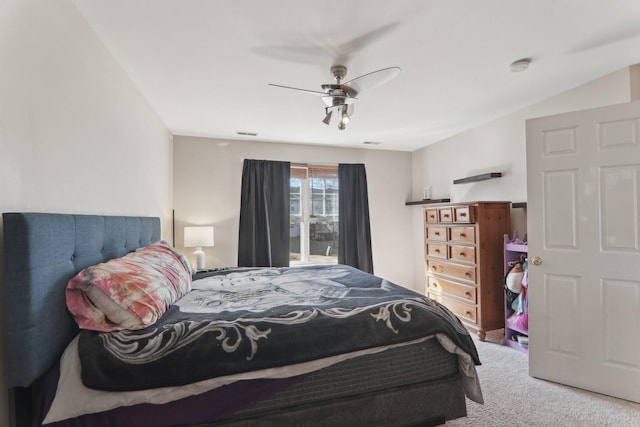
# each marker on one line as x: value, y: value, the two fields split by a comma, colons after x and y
x: 338, y: 72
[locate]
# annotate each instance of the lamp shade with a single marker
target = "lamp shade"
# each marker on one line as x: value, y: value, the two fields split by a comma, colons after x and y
x: 198, y: 237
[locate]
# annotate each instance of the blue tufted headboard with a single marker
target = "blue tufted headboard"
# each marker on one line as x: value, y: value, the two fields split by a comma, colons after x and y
x: 41, y: 253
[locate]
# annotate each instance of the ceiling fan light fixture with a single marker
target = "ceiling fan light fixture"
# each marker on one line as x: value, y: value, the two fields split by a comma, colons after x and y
x: 345, y: 116
x: 327, y: 118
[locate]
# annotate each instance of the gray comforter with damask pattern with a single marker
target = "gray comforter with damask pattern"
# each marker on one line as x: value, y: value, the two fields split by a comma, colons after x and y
x: 246, y: 319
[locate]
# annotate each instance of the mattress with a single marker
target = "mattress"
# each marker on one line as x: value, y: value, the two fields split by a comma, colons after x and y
x: 397, y: 367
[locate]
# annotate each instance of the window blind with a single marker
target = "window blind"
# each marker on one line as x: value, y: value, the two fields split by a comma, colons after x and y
x: 303, y: 171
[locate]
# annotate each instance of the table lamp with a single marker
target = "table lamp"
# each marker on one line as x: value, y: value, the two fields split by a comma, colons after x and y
x: 198, y: 237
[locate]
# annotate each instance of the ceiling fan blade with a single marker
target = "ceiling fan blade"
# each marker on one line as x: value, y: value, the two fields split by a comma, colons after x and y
x: 360, y: 42
x: 370, y: 80
x: 310, y: 92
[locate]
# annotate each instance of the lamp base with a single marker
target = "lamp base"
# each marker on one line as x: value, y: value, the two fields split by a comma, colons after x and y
x: 199, y: 254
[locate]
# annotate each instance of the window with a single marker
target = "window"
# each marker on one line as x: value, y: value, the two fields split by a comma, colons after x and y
x: 314, y: 214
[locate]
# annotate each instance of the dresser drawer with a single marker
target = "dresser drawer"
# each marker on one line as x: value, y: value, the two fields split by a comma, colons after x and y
x: 431, y: 216
x: 461, y: 309
x: 465, y: 272
x: 438, y: 284
x: 462, y: 253
x: 437, y: 233
x: 462, y: 235
x: 445, y: 215
x: 463, y: 214
x: 437, y: 250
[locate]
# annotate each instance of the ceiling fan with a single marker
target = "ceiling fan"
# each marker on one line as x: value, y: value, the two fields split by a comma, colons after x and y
x: 340, y: 97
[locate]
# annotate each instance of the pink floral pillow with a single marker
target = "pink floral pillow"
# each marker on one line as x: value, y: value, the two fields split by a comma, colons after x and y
x: 131, y: 292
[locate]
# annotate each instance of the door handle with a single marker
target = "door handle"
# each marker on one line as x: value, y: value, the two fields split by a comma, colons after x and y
x: 536, y: 260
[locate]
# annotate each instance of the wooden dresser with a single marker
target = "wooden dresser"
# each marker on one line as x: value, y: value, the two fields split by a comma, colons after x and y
x: 464, y: 263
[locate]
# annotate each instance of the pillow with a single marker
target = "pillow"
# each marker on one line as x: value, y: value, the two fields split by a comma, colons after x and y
x: 131, y: 292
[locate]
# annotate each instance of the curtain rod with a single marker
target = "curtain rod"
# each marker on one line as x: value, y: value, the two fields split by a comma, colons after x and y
x: 305, y: 164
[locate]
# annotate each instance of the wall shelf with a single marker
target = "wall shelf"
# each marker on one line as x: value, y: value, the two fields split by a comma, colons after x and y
x: 427, y: 202
x: 475, y: 178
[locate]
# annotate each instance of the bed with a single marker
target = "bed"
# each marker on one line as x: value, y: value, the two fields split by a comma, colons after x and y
x: 413, y: 374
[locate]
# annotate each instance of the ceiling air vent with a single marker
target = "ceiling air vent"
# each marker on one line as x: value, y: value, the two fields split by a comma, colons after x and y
x: 371, y: 143
x: 247, y: 133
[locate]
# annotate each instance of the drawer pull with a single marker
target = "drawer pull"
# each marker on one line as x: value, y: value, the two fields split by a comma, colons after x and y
x: 436, y: 251
x: 446, y: 215
x: 463, y: 214
x: 462, y: 235
x: 461, y: 254
x: 467, y: 294
x: 437, y: 233
x: 468, y: 313
x: 435, y: 285
x: 433, y: 267
x: 466, y: 273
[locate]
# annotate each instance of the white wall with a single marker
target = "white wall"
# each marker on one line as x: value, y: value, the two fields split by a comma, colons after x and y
x: 498, y: 146
x: 208, y: 175
x: 76, y: 136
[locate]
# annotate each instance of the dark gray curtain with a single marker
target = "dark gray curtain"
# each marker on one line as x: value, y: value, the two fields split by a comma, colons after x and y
x: 264, y: 214
x: 354, y: 236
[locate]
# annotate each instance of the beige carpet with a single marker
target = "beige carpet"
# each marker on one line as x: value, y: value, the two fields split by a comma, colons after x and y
x: 514, y: 399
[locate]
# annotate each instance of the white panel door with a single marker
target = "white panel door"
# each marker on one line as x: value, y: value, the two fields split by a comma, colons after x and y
x: 583, y: 184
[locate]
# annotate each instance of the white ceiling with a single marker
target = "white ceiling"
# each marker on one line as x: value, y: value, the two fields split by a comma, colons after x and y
x: 205, y: 65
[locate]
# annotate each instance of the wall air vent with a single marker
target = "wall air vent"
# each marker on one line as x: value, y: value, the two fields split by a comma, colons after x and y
x: 247, y: 133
